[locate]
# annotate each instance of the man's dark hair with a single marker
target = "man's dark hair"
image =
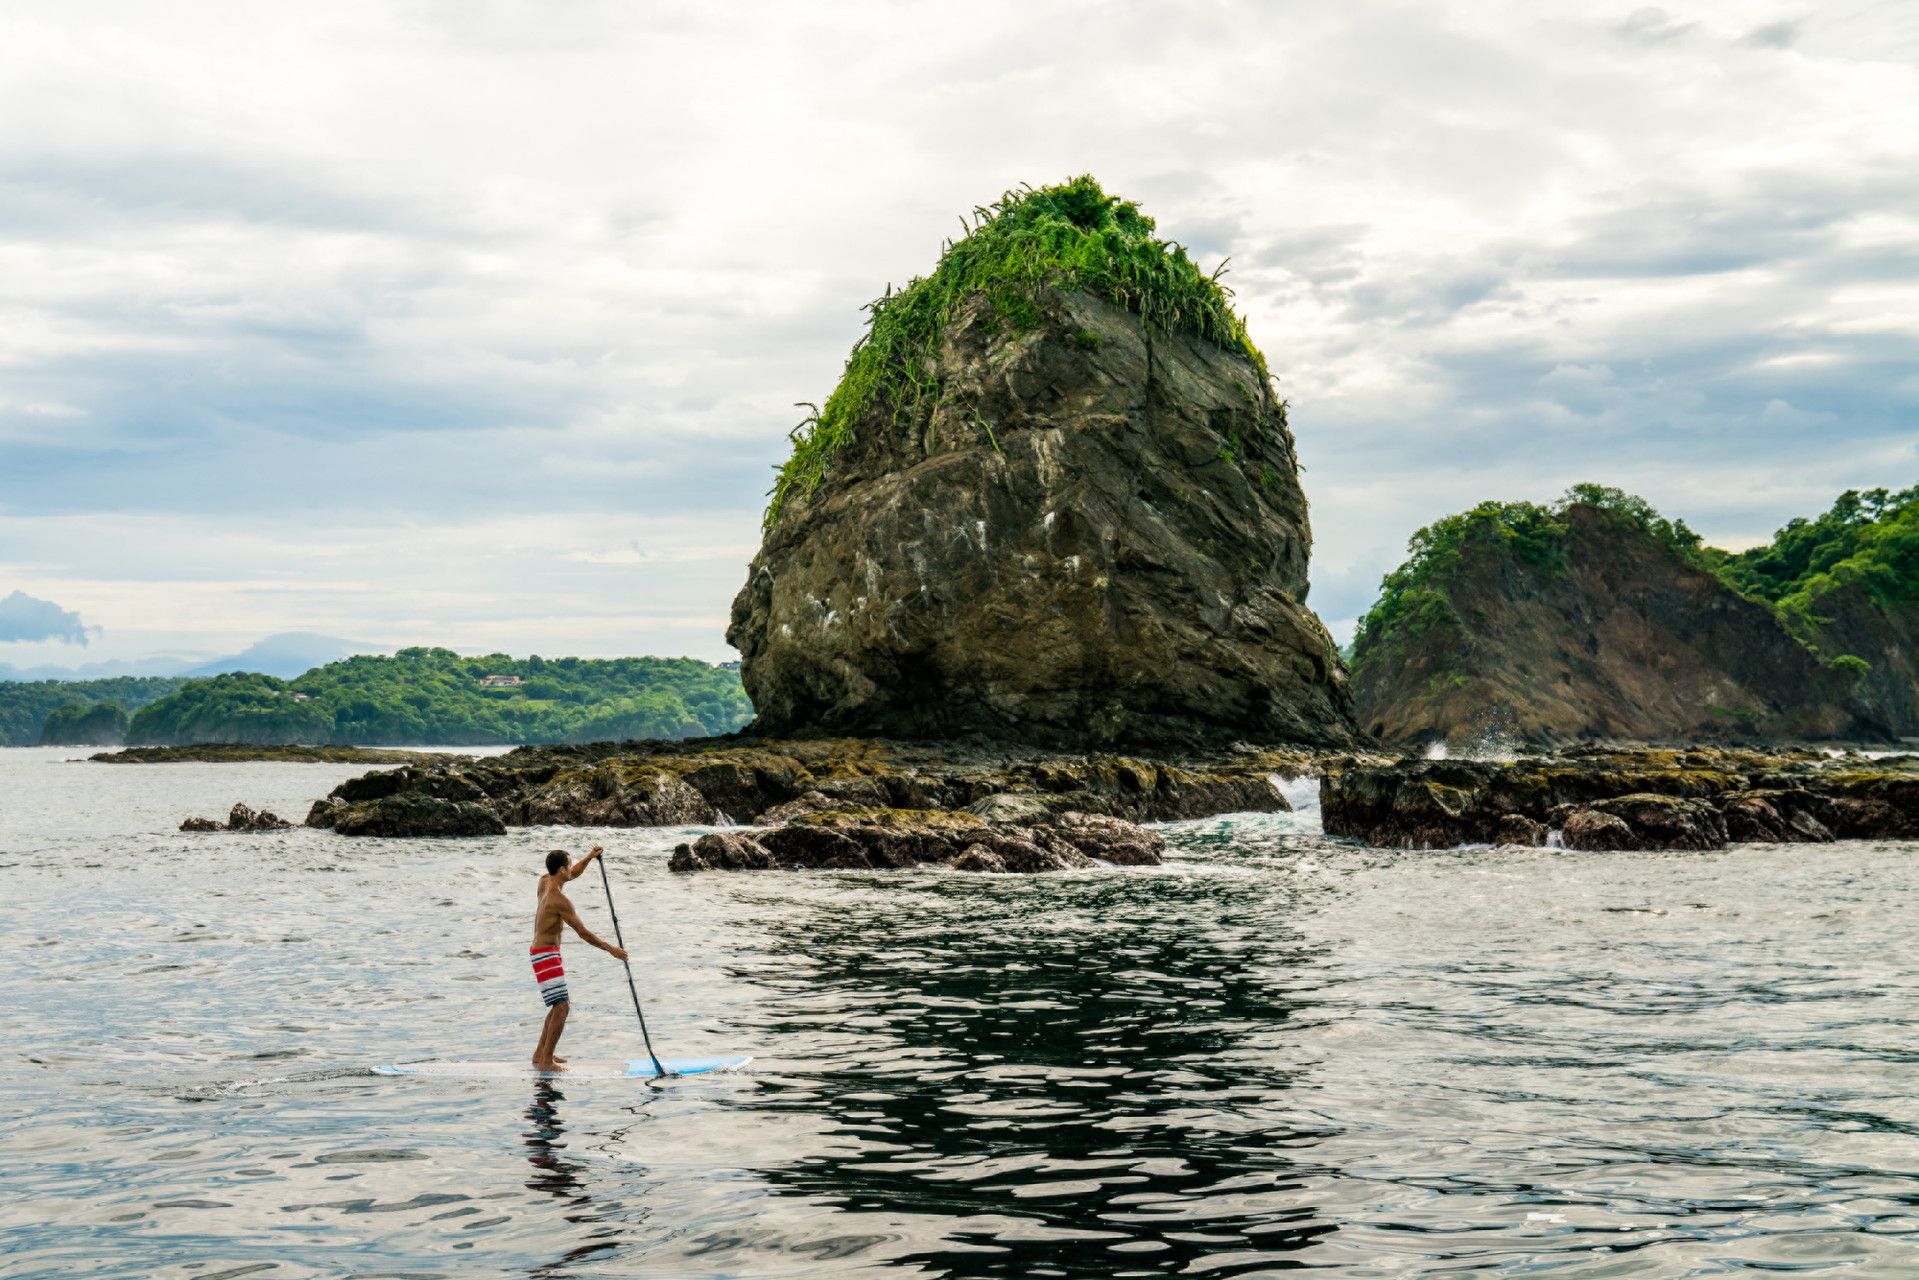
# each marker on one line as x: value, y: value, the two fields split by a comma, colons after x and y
x: 555, y: 860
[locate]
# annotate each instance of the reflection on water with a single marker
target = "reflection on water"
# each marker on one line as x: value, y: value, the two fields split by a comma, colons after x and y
x: 1277, y: 1052
x: 1074, y: 1091
x: 546, y: 1147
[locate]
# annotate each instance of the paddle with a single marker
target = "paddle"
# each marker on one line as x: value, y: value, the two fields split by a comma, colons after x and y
x: 658, y: 1066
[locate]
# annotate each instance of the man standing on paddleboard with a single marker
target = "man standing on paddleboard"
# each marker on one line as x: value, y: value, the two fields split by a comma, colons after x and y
x: 554, y: 910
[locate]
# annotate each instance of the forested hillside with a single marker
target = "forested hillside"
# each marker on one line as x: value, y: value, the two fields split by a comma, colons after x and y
x: 436, y: 696
x: 1598, y: 618
x: 26, y: 704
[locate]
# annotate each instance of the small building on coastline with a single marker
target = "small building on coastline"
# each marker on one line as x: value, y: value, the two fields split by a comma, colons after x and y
x: 501, y: 682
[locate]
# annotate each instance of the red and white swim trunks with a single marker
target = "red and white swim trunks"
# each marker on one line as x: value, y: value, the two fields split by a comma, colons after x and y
x: 549, y: 973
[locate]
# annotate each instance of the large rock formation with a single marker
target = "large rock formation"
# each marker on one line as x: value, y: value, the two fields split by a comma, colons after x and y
x: 1583, y: 623
x: 1091, y: 534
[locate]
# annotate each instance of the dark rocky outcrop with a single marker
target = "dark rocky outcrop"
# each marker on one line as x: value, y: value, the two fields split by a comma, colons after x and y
x: 722, y: 851
x: 240, y: 818
x: 1643, y: 799
x: 898, y: 839
x: 775, y: 783
x: 1595, y: 630
x: 1095, y: 538
x: 409, y: 814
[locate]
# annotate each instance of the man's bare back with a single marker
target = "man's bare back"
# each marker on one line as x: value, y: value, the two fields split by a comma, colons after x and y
x: 553, y: 913
x: 553, y: 910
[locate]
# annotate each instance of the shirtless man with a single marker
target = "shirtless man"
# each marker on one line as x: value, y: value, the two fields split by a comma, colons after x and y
x: 553, y: 910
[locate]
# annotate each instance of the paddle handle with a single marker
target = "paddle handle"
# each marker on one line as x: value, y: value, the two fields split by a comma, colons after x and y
x: 658, y: 1066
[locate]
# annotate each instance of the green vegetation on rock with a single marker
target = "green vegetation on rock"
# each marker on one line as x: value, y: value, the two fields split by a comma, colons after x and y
x: 436, y: 696
x: 1068, y: 237
x: 25, y: 705
x: 1414, y: 600
x: 1869, y: 539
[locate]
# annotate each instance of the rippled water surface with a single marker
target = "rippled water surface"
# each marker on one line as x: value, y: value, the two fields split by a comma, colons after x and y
x: 1277, y: 1052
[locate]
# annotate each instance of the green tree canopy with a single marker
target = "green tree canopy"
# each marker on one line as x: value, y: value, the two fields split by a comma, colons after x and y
x: 435, y: 696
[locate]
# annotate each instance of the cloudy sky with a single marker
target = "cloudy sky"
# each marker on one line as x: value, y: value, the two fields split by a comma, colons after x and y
x: 480, y: 322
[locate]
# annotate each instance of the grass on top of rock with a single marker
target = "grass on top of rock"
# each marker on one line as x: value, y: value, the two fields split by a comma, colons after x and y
x: 1071, y: 236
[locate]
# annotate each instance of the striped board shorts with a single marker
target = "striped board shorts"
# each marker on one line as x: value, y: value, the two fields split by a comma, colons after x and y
x: 549, y: 973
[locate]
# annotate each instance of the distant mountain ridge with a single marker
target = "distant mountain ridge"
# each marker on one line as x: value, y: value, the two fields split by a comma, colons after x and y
x: 284, y: 654
x: 287, y: 654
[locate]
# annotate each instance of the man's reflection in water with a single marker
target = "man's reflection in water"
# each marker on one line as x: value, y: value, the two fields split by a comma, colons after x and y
x: 545, y: 1141
x: 554, y: 1174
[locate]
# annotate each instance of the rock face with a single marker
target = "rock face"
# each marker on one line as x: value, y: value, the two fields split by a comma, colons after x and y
x: 1097, y: 537
x: 896, y: 839
x: 1648, y: 799
x: 1615, y: 637
x: 1885, y: 633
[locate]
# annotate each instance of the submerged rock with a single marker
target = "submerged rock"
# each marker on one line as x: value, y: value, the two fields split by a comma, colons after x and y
x: 240, y: 818
x: 1517, y: 829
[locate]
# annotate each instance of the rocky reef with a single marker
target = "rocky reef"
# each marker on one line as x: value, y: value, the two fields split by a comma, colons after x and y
x: 721, y: 781
x: 1059, y: 507
x: 826, y: 802
x: 1638, y: 799
x: 247, y: 753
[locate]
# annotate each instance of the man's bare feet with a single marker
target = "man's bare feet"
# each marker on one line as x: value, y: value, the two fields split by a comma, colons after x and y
x: 551, y: 1064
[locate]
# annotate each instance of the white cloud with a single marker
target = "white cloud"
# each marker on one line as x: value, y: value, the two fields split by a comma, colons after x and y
x: 423, y: 320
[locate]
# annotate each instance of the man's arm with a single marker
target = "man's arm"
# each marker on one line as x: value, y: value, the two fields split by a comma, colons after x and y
x: 571, y: 915
x: 578, y: 869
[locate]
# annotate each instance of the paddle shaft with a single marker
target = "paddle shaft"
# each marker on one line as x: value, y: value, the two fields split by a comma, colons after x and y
x: 658, y: 1066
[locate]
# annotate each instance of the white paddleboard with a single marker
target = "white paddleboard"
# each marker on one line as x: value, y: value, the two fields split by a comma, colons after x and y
x: 629, y: 1068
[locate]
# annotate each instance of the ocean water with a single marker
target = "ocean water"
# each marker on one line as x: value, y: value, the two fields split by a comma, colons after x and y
x: 1277, y: 1052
